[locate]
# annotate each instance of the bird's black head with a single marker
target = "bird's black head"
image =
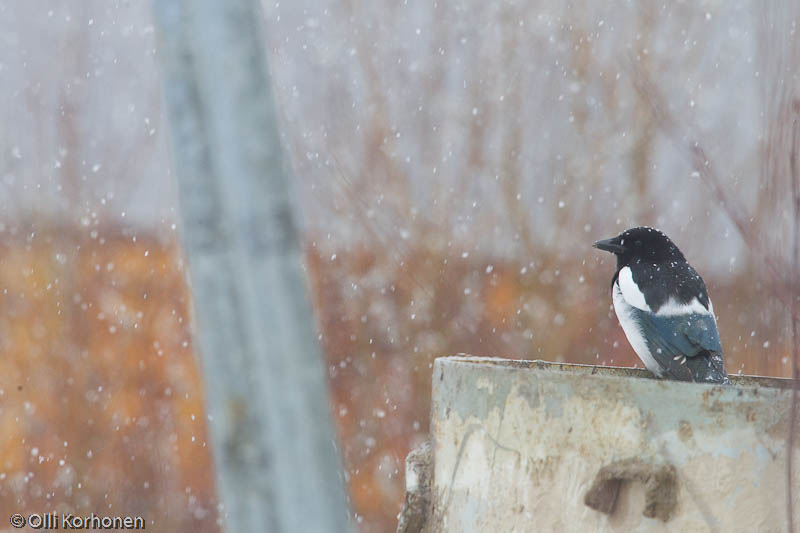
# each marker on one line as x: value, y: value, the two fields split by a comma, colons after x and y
x: 641, y: 244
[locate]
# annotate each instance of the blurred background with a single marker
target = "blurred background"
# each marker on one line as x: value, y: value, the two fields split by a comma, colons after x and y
x: 453, y: 162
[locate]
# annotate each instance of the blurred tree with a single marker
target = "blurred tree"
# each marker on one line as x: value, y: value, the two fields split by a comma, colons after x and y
x: 276, y: 460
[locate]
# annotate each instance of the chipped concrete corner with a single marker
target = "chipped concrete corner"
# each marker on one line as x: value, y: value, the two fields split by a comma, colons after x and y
x: 417, y: 507
x: 526, y: 444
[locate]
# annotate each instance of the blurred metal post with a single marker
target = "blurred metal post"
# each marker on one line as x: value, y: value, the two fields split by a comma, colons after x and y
x: 273, y: 440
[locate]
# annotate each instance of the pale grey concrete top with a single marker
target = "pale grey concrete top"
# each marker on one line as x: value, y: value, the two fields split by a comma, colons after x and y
x: 746, y: 380
x: 531, y: 445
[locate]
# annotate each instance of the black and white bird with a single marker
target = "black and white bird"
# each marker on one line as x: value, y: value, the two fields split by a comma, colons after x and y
x: 663, y: 307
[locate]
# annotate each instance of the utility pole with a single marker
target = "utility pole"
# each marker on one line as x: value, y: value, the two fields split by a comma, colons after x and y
x: 277, y: 467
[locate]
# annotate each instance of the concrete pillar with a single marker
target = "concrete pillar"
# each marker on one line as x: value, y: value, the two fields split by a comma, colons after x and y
x: 534, y: 446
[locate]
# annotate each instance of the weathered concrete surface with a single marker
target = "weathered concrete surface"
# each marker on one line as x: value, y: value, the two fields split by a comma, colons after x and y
x: 518, y: 445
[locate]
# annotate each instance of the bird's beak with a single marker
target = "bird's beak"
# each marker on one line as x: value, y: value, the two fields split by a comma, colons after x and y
x: 609, y: 245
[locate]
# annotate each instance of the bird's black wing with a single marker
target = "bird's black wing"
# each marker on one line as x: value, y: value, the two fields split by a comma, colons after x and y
x: 686, y: 346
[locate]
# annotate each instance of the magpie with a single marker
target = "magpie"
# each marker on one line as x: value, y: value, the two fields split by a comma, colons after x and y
x: 663, y: 307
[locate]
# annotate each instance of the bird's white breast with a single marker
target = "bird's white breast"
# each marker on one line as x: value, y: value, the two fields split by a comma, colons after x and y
x: 632, y: 330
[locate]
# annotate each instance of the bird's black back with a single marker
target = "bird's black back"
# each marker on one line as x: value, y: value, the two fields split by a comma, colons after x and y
x: 675, y: 279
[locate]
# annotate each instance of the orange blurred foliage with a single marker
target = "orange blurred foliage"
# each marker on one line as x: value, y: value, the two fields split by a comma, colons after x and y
x: 101, y: 403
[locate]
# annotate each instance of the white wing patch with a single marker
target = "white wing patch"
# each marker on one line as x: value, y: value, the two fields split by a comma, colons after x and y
x: 673, y: 308
x: 632, y: 331
x: 630, y: 291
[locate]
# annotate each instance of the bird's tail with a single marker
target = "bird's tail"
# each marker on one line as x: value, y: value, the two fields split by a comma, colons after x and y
x: 709, y: 368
